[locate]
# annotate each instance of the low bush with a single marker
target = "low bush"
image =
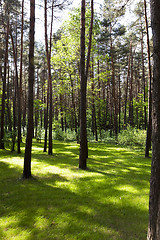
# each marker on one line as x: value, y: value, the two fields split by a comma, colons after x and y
x: 132, y: 137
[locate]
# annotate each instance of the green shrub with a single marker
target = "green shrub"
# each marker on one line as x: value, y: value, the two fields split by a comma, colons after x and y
x: 60, y: 135
x: 132, y: 137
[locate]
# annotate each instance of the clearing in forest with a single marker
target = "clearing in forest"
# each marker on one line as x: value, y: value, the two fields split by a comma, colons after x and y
x: 109, y: 201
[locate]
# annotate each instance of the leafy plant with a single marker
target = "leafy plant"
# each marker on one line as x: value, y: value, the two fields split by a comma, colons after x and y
x: 132, y: 136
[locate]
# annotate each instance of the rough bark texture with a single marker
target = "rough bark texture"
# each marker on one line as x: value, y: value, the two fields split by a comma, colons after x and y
x: 27, y: 156
x: 154, y: 201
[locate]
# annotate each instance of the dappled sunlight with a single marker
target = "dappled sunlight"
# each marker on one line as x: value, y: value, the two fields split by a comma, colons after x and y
x: 127, y: 188
x: 108, y: 201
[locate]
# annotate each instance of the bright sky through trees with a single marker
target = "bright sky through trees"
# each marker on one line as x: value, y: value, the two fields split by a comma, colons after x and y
x: 59, y: 18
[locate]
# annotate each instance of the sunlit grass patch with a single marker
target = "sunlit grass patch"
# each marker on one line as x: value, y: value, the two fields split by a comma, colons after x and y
x: 108, y: 201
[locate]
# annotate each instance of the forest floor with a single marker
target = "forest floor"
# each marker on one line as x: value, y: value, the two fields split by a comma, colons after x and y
x: 109, y: 201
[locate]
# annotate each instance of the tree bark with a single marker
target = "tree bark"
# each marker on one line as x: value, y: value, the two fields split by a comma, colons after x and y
x: 27, y: 156
x: 84, y: 75
x: 119, y: 103
x: 48, y: 55
x: 83, y: 88
x: 46, y: 120
x: 74, y: 109
x: 18, y: 95
x: 144, y: 81
x: 113, y: 87
x: 131, y: 93
x: 126, y: 89
x: 94, y: 120
x: 4, y: 89
x: 154, y: 200
x: 149, y: 123
x: 20, y: 80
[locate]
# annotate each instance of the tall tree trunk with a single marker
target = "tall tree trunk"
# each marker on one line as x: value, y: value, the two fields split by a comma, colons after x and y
x: 131, y: 93
x: 74, y: 109
x: 113, y: 87
x: 14, y: 114
x: 48, y: 55
x: 99, y: 98
x: 62, y: 112
x: 154, y: 200
x: 18, y: 94
x: 46, y: 121
x: 84, y: 75
x: 24, y: 107
x: 119, y: 104
x: 126, y: 89
x: 27, y: 156
x: 20, y: 80
x: 37, y: 110
x: 149, y: 123
x: 94, y: 120
x: 144, y: 82
x: 4, y: 89
x: 8, y: 105
x: 83, y: 88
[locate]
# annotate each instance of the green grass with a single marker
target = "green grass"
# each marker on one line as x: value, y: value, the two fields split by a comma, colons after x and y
x: 109, y: 201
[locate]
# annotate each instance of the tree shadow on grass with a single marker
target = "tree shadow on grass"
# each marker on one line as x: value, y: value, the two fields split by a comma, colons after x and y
x: 104, y: 203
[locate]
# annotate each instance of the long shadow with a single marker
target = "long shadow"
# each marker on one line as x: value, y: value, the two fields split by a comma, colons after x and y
x: 45, y: 209
x: 51, y: 207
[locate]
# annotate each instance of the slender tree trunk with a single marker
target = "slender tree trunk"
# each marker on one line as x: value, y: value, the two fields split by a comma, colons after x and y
x: 46, y: 120
x: 61, y: 111
x: 20, y: 80
x: 27, y: 156
x: 84, y: 75
x: 37, y: 110
x: 126, y: 89
x: 4, y: 89
x: 131, y: 94
x: 154, y: 200
x: 74, y: 109
x: 149, y: 123
x: 8, y: 105
x: 48, y: 55
x: 99, y: 99
x: 24, y: 107
x: 119, y: 86
x: 113, y: 87
x: 14, y: 114
x: 136, y: 97
x: 18, y: 95
x: 83, y: 83
x: 94, y: 120
x: 144, y: 83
